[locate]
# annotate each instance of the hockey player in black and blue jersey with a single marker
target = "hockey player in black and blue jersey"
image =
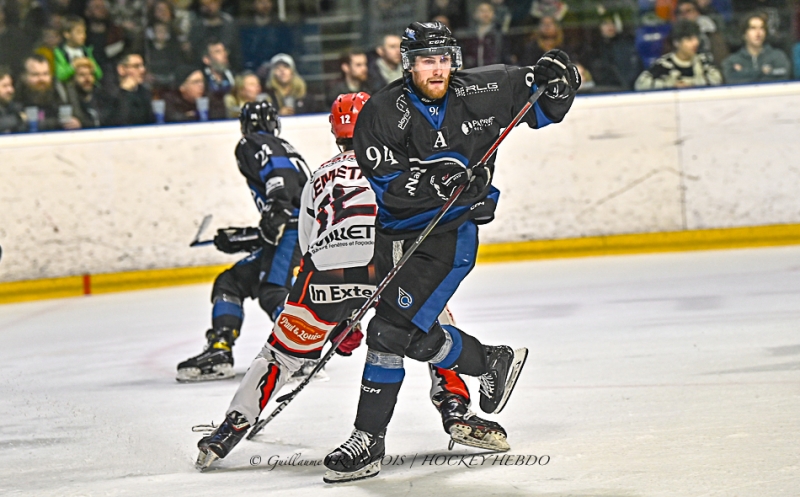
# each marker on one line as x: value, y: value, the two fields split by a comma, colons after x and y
x: 417, y: 140
x: 275, y: 174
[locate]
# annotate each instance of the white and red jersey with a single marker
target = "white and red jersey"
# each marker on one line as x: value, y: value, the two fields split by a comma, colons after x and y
x: 337, y: 215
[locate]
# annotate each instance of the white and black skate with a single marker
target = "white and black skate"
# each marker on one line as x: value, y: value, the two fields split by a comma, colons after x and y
x: 214, y: 363
x: 308, y: 366
x: 221, y: 441
x: 356, y: 459
x: 466, y: 428
x: 505, y: 364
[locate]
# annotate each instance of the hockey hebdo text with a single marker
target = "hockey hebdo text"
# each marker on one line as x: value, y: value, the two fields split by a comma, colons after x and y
x: 417, y: 460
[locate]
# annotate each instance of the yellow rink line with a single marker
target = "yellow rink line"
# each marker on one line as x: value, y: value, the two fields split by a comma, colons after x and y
x: 676, y: 241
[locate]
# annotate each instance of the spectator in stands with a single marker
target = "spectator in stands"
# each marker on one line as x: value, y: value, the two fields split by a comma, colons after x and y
x: 288, y: 87
x: 614, y: 63
x: 483, y: 45
x: 683, y: 67
x: 353, y: 66
x: 11, y: 112
x: 547, y: 36
x: 502, y: 16
x: 163, y: 11
x: 212, y: 22
x: 181, y: 105
x: 265, y: 37
x: 264, y: 13
x: 107, y: 39
x: 13, y: 42
x: 73, y: 29
x: 247, y: 88
x: 37, y: 89
x: 163, y: 54
x: 219, y: 78
x: 127, y: 14
x: 454, y: 10
x: 757, y: 61
x: 82, y: 94
x: 442, y: 19
x: 711, y: 40
x: 386, y: 68
x: 46, y: 45
x: 556, y: 9
x: 132, y: 103
x: 386, y: 16
x: 778, y: 14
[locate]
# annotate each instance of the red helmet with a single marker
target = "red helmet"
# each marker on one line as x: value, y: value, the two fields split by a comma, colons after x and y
x: 344, y: 113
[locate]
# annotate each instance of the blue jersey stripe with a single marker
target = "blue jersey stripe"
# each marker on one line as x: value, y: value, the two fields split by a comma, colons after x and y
x: 455, y: 350
x: 541, y: 119
x: 282, y: 260
x: 463, y: 262
x: 279, y: 162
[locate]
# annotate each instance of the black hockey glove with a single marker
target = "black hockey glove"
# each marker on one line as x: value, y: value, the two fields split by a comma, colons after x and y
x: 555, y: 71
x: 272, y: 224
x: 445, y: 184
x: 233, y: 240
x: 481, y: 177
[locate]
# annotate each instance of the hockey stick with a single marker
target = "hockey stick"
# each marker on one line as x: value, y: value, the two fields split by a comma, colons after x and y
x: 203, y: 225
x: 285, y: 399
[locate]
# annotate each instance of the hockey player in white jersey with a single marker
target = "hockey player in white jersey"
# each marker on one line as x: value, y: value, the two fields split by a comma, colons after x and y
x: 336, y: 235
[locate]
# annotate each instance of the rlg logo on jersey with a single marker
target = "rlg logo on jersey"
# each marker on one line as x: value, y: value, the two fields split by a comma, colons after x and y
x: 331, y: 294
x: 404, y: 299
x: 477, y: 89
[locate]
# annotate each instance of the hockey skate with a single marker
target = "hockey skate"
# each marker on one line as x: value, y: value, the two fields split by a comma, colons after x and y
x: 214, y: 363
x: 466, y: 428
x: 219, y: 443
x: 303, y: 372
x: 497, y: 384
x: 356, y: 459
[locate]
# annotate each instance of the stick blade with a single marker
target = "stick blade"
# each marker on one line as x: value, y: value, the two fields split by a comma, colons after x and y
x: 203, y: 225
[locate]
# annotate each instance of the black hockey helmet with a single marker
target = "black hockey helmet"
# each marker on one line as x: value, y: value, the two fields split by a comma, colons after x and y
x: 428, y: 38
x: 259, y: 116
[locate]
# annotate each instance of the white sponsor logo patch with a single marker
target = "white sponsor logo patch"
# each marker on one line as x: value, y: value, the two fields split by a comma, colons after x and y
x: 476, y: 125
x: 331, y: 294
x: 273, y: 184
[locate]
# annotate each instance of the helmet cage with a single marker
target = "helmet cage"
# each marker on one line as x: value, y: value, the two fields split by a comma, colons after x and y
x: 409, y: 56
x: 259, y: 116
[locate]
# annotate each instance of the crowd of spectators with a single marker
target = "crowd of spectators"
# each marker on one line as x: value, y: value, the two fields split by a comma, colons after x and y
x: 77, y: 64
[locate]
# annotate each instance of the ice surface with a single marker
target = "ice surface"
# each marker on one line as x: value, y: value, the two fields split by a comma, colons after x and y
x: 672, y: 374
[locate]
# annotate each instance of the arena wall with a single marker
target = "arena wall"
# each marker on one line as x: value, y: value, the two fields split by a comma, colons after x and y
x: 131, y: 199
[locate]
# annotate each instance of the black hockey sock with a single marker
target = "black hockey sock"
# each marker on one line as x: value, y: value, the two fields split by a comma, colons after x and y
x: 466, y: 355
x: 383, y: 376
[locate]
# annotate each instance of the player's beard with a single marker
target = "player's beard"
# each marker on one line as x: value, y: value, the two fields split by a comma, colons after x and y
x: 435, y: 93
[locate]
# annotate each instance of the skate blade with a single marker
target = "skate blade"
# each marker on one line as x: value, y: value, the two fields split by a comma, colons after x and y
x: 520, y: 356
x: 367, y: 471
x: 192, y: 375
x: 204, y: 460
x: 493, y: 441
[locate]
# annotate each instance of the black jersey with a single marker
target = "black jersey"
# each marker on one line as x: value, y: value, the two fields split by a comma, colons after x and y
x: 400, y: 141
x: 275, y: 172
